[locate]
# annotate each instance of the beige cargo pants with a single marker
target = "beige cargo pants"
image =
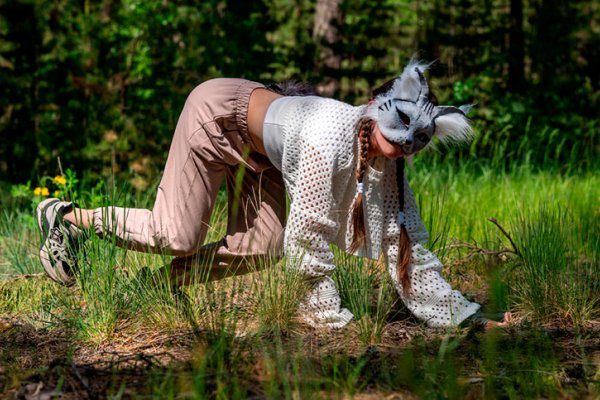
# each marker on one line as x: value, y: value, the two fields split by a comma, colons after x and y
x: 211, y: 144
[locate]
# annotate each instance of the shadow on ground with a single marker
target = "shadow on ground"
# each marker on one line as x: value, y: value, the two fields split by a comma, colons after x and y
x: 48, y: 363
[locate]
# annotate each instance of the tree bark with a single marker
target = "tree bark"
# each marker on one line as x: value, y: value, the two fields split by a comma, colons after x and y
x: 328, y: 19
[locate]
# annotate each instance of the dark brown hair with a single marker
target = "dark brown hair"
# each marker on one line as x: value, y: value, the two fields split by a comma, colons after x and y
x: 405, y: 246
x: 292, y: 87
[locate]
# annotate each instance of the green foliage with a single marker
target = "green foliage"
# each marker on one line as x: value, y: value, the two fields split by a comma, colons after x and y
x: 95, y: 71
x: 101, y: 84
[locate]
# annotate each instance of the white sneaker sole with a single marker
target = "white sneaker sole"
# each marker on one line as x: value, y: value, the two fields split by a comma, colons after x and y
x: 56, y: 274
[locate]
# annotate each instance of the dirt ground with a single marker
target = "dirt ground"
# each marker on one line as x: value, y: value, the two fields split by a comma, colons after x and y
x: 51, y: 363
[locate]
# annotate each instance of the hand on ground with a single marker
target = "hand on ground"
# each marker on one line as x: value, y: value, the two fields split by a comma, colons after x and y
x: 505, y: 323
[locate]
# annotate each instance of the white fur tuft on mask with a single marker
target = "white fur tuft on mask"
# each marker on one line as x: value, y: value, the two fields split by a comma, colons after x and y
x: 453, y: 127
x: 466, y: 108
x: 408, y: 84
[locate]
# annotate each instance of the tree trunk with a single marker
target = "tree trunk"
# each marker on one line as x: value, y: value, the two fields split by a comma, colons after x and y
x: 328, y: 19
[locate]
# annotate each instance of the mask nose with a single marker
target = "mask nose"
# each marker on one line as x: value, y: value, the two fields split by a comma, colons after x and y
x: 407, y: 147
x: 416, y: 141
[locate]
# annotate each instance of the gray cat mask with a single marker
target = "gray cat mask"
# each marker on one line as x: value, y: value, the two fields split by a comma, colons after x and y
x: 406, y: 116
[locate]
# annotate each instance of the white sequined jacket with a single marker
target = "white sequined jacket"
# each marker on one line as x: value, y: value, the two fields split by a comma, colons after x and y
x: 320, y: 155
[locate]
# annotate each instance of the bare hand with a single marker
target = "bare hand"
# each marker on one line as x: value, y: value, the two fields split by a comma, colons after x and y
x: 505, y: 323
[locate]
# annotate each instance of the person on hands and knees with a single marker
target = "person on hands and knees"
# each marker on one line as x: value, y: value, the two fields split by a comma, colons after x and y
x: 342, y: 167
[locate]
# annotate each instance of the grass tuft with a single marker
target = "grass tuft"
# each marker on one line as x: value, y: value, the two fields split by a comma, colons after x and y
x: 277, y: 292
x: 367, y: 291
x: 558, y: 275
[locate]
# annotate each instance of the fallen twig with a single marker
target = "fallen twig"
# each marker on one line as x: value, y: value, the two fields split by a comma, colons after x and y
x: 476, y: 250
x: 507, y: 235
x: 79, y: 377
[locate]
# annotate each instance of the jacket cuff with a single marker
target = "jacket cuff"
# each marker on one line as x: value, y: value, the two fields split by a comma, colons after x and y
x: 322, y: 306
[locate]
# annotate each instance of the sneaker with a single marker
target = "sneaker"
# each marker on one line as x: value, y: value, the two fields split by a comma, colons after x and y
x: 59, y: 240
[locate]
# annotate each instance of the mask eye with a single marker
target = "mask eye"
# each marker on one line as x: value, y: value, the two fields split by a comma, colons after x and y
x: 403, y: 117
x: 423, y: 138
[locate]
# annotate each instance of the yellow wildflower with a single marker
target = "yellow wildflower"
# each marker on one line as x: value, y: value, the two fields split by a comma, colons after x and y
x: 57, y: 193
x: 59, y: 180
x: 41, y: 191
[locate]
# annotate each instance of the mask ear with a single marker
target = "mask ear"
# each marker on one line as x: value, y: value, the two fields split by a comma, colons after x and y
x: 451, y: 124
x: 411, y: 83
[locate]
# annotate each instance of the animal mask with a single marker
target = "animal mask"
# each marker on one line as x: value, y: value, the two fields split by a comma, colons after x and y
x: 406, y: 116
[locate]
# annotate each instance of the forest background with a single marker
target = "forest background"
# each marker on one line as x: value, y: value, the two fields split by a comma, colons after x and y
x: 100, y: 84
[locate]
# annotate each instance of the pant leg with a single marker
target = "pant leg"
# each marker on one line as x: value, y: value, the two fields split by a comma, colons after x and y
x: 178, y: 221
x: 207, y: 141
x: 256, y: 221
x: 257, y: 212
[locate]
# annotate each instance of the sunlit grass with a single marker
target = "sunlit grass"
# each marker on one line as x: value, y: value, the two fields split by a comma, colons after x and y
x: 248, y: 325
x: 367, y: 291
x: 558, y: 275
x: 276, y: 294
x: 454, y: 204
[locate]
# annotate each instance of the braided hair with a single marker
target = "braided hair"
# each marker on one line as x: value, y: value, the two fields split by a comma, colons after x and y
x: 405, y: 246
x: 365, y: 130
